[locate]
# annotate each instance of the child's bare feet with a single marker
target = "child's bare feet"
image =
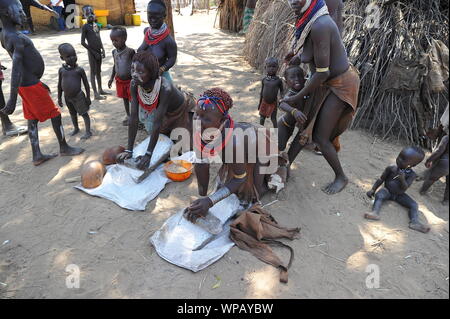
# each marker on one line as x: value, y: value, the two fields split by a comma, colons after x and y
x: 75, y: 132
x: 43, y: 158
x: 419, y: 227
x: 86, y: 136
x: 372, y: 216
x: 70, y: 151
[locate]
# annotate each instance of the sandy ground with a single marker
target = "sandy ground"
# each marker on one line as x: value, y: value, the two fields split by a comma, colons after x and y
x: 44, y: 222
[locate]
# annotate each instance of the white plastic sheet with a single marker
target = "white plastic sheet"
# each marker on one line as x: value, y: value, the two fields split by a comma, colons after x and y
x: 118, y: 184
x: 187, y: 245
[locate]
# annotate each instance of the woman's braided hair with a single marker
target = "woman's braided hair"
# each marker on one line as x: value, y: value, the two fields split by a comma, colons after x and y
x: 221, y: 94
x: 150, y: 62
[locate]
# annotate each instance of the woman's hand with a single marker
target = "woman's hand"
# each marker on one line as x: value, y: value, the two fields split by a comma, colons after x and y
x: 144, y: 162
x: 299, y: 116
x: 123, y: 156
x: 198, y: 209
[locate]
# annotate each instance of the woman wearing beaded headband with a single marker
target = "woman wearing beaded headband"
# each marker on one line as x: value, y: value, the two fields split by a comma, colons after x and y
x: 157, y: 38
x: 157, y: 103
x: 332, y: 89
x: 240, y: 175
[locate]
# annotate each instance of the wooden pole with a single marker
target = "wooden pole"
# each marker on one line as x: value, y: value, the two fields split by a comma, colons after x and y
x: 169, y: 18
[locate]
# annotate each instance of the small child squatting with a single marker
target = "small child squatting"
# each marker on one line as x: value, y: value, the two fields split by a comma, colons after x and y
x: 397, y: 179
x: 271, y: 85
x: 70, y: 76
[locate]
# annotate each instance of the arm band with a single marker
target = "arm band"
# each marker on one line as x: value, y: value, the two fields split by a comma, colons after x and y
x: 240, y: 176
x: 320, y: 70
x: 221, y: 194
x: 292, y: 112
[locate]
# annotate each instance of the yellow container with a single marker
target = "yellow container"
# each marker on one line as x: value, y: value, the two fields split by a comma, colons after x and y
x: 136, y: 19
x: 103, y: 21
x: 83, y: 22
x: 101, y: 13
x: 78, y: 21
x: 128, y: 19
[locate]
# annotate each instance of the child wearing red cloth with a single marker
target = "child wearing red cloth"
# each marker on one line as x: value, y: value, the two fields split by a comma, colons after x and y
x: 28, y: 68
x: 271, y: 85
x: 121, y: 72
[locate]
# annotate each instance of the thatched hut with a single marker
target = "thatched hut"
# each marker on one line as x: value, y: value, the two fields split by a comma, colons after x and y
x: 231, y: 13
x: 402, y: 58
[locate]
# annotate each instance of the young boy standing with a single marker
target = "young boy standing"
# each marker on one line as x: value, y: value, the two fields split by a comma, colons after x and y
x: 121, y: 72
x: 271, y: 85
x: 91, y: 33
x: 69, y: 81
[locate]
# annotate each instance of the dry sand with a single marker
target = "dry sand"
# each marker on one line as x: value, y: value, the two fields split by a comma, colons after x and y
x: 47, y: 222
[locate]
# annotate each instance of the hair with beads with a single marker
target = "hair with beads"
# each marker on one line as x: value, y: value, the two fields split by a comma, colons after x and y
x: 224, y: 97
x: 150, y: 62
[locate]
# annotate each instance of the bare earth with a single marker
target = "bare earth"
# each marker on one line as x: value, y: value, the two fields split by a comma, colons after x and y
x: 45, y: 223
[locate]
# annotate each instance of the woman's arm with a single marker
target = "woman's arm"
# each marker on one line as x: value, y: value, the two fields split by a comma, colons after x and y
x: 134, y: 117
x: 160, y: 112
x: 202, y: 173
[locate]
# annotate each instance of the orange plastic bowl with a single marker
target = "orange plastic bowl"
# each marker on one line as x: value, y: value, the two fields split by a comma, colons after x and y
x: 178, y: 177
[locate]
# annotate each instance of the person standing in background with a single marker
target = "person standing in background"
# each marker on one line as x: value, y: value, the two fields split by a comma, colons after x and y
x: 26, y: 4
x: 58, y: 6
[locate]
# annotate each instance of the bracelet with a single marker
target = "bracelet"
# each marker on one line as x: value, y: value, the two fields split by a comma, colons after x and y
x: 320, y: 70
x: 128, y: 151
x: 222, y: 193
x: 149, y: 153
x: 292, y: 112
x: 240, y: 176
x: 163, y: 68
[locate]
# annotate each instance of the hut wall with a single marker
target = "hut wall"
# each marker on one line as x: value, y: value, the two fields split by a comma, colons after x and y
x: 231, y: 14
